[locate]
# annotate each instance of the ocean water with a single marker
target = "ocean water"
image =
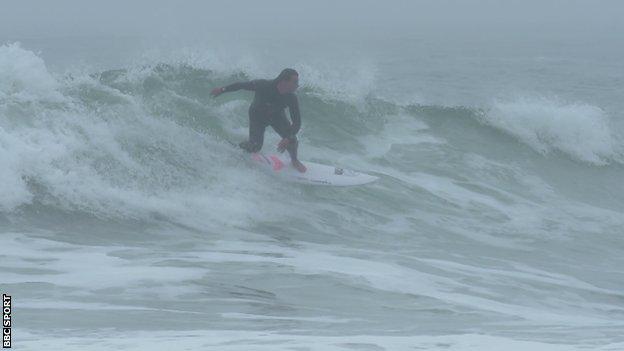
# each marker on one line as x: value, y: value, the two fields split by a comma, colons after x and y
x: 128, y: 222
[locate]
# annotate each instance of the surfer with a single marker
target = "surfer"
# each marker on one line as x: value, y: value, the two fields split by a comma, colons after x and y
x: 271, y: 98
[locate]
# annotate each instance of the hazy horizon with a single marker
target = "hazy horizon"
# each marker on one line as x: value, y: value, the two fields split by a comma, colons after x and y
x: 170, y: 19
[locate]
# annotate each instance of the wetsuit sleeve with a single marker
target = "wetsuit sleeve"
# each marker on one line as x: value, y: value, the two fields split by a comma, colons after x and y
x: 250, y: 85
x: 295, y: 115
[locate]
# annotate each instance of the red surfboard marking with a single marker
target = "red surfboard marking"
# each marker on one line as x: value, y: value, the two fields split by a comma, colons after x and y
x: 277, y: 163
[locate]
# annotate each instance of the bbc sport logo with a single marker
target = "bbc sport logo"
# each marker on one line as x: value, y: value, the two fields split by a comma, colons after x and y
x: 6, y: 321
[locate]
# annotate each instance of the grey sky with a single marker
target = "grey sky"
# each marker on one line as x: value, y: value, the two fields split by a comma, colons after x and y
x: 28, y: 18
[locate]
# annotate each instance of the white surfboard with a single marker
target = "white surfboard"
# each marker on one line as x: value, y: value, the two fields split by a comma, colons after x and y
x: 317, y: 174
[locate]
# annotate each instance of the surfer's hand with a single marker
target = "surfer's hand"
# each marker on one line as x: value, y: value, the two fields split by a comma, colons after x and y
x: 216, y: 91
x: 282, y: 144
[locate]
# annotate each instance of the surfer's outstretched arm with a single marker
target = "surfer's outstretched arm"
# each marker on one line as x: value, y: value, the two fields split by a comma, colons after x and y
x: 249, y: 85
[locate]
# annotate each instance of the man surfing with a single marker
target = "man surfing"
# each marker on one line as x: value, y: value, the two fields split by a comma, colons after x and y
x: 268, y: 108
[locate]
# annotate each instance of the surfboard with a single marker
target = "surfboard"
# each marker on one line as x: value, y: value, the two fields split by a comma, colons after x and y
x: 316, y: 173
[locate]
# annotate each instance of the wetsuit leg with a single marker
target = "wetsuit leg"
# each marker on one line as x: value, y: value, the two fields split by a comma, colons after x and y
x: 282, y: 126
x: 257, y: 125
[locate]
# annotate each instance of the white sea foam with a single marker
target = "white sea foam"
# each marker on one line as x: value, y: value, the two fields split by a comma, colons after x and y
x: 580, y: 130
x: 235, y: 340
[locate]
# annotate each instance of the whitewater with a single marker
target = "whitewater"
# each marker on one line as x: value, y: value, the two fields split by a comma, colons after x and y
x: 129, y: 222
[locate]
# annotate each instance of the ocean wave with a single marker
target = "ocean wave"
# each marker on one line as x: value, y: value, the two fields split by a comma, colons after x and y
x: 581, y: 131
x: 148, y: 138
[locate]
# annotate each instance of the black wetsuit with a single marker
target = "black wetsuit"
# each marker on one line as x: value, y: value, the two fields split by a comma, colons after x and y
x: 268, y: 108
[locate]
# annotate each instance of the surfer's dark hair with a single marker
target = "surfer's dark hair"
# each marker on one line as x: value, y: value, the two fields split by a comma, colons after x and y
x: 285, y: 74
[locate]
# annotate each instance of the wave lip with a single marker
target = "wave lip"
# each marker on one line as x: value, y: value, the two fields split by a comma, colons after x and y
x: 581, y: 131
x: 24, y: 76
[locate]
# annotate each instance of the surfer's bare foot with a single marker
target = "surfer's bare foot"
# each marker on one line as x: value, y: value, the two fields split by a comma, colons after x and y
x: 299, y: 166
